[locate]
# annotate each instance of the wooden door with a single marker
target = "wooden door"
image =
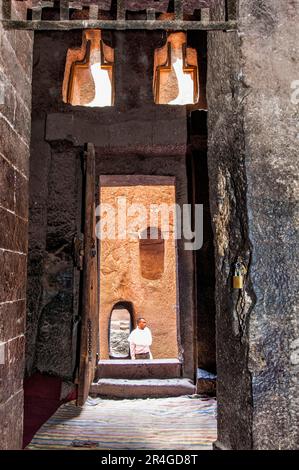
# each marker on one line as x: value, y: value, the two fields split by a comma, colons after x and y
x: 89, y: 304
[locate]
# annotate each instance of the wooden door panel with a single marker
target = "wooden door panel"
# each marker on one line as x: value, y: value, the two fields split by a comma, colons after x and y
x: 89, y: 308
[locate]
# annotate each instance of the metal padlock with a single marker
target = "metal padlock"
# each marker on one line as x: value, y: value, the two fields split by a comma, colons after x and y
x: 238, y: 278
x: 238, y: 281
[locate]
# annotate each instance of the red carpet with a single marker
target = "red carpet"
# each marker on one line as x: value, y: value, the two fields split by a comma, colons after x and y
x: 41, y: 400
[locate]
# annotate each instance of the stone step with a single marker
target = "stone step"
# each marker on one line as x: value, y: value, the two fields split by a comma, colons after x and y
x: 146, y: 388
x: 146, y: 369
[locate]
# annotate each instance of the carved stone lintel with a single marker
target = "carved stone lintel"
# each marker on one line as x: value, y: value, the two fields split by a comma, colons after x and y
x: 152, y: 7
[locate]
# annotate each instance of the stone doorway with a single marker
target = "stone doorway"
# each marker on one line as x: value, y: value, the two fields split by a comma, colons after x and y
x: 139, y: 264
x: 139, y: 261
x: 134, y: 139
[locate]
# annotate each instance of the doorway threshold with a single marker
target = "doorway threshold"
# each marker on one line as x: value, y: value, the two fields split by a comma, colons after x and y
x: 139, y: 369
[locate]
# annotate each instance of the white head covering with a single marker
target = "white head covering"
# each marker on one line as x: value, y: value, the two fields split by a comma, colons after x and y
x: 141, y: 337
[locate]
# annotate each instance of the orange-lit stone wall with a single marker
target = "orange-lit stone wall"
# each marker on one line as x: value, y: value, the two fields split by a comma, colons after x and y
x: 79, y: 86
x: 121, y: 271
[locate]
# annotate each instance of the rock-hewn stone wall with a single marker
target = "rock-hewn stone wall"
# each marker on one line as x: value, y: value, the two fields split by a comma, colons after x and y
x: 55, y: 201
x: 253, y: 182
x: 270, y: 54
x: 55, y: 217
x: 229, y: 217
x: 15, y: 120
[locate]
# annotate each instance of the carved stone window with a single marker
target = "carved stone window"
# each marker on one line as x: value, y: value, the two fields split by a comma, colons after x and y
x: 89, y: 73
x: 176, y: 72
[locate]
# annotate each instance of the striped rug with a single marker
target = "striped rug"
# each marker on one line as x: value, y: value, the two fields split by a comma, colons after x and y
x: 180, y: 423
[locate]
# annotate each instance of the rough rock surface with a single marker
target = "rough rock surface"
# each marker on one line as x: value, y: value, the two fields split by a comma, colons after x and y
x: 270, y: 56
x: 52, y: 308
x: 253, y: 192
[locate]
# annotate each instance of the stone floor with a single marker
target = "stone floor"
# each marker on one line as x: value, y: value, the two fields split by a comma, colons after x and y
x: 180, y: 423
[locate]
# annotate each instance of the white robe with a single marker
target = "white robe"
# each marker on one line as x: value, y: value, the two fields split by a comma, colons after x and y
x: 140, y: 341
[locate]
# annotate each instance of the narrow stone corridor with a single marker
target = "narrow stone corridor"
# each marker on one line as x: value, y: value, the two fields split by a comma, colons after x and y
x: 177, y: 423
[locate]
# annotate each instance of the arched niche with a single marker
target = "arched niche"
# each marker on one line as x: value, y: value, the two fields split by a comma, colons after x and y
x: 120, y: 326
x: 151, y: 253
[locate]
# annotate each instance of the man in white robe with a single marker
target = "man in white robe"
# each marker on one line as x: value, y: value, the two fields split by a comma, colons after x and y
x: 140, y: 341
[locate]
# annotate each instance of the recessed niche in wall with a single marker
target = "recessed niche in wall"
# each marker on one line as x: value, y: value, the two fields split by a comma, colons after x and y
x: 89, y: 72
x: 176, y: 72
x: 151, y: 253
x: 119, y: 329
